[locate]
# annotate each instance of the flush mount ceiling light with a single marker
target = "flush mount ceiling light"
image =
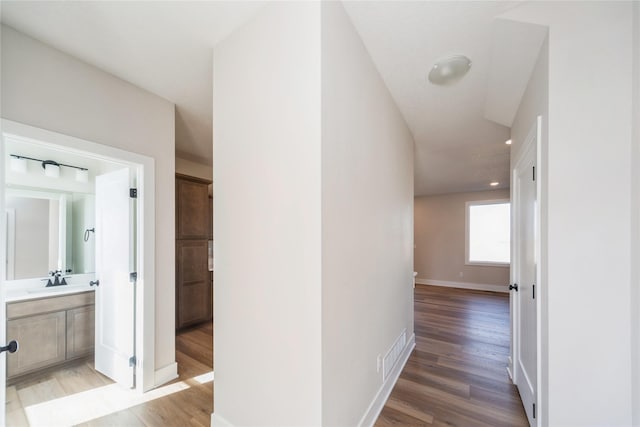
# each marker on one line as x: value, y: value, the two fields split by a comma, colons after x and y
x: 508, y: 142
x: 494, y: 183
x: 448, y: 70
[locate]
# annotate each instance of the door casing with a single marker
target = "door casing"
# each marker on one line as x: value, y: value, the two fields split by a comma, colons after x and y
x: 533, y: 138
x: 144, y: 169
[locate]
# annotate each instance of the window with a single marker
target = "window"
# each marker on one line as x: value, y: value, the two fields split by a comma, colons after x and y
x: 489, y: 232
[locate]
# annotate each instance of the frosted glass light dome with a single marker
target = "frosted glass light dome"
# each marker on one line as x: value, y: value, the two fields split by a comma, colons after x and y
x: 448, y: 70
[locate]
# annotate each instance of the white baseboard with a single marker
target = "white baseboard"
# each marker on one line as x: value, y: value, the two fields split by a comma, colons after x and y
x: 166, y: 374
x: 464, y: 285
x: 218, y: 421
x: 509, y: 364
x: 374, y: 409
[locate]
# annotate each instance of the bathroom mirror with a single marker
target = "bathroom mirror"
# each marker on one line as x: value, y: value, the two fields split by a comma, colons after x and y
x: 47, y: 231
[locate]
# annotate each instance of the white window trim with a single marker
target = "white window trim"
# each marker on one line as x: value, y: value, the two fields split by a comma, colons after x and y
x: 466, y: 233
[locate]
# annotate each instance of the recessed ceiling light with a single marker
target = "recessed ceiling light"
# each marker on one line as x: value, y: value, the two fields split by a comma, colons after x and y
x: 494, y: 183
x: 449, y: 70
x: 508, y: 142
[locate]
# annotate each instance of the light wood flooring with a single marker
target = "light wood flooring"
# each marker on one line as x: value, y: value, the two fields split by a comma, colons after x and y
x: 456, y: 376
x: 52, y: 384
x: 187, y: 401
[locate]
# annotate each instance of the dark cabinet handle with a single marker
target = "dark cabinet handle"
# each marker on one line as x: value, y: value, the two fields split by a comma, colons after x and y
x: 514, y: 286
x: 96, y: 283
x: 12, y: 347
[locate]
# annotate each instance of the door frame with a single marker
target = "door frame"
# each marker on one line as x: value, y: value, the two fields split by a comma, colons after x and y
x: 533, y: 141
x: 143, y: 168
x: 10, y: 248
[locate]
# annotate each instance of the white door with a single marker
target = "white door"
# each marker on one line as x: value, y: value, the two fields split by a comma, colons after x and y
x: 524, y: 296
x: 115, y: 293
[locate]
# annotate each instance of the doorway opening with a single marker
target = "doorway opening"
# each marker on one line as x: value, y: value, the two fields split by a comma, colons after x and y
x: 194, y: 280
x: 81, y: 253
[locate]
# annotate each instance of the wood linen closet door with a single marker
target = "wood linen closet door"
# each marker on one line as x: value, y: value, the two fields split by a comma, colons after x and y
x: 192, y: 209
x: 194, y: 300
x: 193, y: 295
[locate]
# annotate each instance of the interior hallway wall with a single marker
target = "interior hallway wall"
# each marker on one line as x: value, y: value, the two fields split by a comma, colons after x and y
x: 635, y: 220
x: 440, y: 240
x: 191, y: 168
x: 310, y: 240
x: 266, y: 95
x: 367, y: 223
x: 586, y: 231
x: 46, y: 88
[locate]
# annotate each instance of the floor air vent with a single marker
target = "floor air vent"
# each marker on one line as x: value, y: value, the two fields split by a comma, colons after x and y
x: 392, y: 356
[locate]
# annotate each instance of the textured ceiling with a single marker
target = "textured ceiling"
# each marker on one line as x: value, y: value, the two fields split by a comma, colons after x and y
x: 457, y: 147
x: 460, y: 130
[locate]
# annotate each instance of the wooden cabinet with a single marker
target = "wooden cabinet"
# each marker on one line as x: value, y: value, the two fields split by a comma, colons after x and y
x: 41, y: 339
x: 194, y: 287
x: 50, y: 331
x: 192, y: 208
x: 194, y: 299
x: 80, y: 331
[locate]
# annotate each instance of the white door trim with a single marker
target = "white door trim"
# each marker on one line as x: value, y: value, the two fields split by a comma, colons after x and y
x: 3, y: 314
x: 531, y: 142
x: 11, y: 243
x: 143, y: 168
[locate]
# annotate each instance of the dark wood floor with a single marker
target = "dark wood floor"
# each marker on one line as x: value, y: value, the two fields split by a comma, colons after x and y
x: 457, y: 374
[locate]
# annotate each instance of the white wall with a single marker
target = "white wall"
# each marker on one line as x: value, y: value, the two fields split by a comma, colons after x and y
x: 310, y: 239
x: 266, y: 97
x: 367, y: 222
x: 191, y: 168
x: 635, y: 221
x: 534, y: 103
x: 587, y: 171
x: 49, y: 89
x: 440, y: 242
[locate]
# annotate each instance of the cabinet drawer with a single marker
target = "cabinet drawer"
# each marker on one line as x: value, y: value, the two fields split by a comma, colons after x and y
x: 49, y: 304
x: 42, y: 342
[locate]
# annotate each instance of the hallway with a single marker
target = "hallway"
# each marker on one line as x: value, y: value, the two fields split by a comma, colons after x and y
x: 457, y: 376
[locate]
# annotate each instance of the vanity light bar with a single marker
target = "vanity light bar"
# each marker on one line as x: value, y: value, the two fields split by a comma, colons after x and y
x: 51, y: 167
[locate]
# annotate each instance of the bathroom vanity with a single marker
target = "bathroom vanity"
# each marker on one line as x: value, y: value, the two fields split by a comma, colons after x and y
x: 50, y: 262
x: 52, y: 329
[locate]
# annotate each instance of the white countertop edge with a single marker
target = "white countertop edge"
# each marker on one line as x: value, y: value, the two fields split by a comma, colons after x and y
x: 21, y: 290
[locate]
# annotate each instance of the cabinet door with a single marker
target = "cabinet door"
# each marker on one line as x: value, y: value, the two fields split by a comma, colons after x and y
x: 42, y: 342
x: 192, y: 209
x: 193, y: 290
x: 80, y: 331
